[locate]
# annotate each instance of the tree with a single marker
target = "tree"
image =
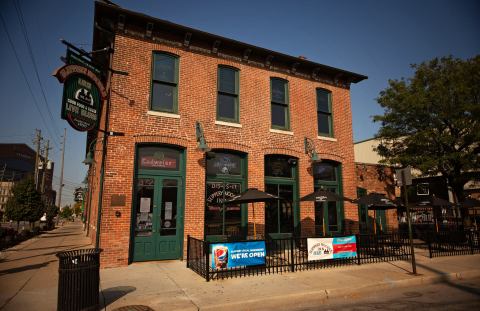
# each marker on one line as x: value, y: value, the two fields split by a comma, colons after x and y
x: 432, y: 120
x: 52, y: 211
x: 66, y: 212
x: 26, y: 203
x: 77, y: 208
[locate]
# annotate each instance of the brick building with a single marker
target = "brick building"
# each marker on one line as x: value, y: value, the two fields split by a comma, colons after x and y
x: 256, y: 110
x: 372, y: 176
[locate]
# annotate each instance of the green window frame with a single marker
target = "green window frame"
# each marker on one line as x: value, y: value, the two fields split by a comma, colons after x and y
x: 164, y: 83
x: 324, y: 113
x: 279, y: 102
x: 228, y: 94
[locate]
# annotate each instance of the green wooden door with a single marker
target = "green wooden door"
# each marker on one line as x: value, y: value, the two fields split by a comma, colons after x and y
x: 328, y: 215
x: 158, y: 220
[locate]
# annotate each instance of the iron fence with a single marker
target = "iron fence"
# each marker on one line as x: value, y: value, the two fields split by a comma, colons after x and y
x: 291, y: 254
x: 453, y: 243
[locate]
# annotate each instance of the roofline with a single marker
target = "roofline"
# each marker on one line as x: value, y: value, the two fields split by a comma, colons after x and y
x: 364, y: 140
x: 355, y: 77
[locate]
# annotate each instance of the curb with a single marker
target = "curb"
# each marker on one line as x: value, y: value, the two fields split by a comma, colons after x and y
x: 318, y: 297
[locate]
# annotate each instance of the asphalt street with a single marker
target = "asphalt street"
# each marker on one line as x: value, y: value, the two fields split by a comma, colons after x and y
x: 461, y: 295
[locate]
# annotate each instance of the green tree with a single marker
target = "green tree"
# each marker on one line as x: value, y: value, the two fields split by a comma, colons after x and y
x: 432, y: 120
x: 66, y: 212
x: 26, y: 203
x: 77, y: 208
x: 52, y: 211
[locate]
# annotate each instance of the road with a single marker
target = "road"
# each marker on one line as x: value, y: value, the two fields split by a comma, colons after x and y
x: 461, y: 295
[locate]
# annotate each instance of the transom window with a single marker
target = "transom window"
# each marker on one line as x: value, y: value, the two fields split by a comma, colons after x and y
x: 164, y: 91
x: 227, y: 98
x: 279, y: 102
x: 324, y: 113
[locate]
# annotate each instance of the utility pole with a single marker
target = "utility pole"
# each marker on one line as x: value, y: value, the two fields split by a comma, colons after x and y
x: 38, y: 138
x: 45, y: 166
x: 406, y: 179
x: 61, y: 171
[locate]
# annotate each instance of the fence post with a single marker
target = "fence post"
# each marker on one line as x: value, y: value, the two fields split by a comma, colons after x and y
x: 292, y: 264
x: 206, y: 249
x: 357, y: 236
x: 188, y: 251
x: 429, y: 242
x: 470, y: 241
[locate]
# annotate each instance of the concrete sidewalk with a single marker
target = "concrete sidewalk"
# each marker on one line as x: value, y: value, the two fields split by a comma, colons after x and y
x: 29, y: 280
x: 29, y: 270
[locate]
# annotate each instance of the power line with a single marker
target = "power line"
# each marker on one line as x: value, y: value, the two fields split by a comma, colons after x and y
x: 24, y: 75
x: 23, y: 27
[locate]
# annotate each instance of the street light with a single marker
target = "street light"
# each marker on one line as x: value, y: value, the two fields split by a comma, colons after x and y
x: 89, y: 158
x: 310, y: 150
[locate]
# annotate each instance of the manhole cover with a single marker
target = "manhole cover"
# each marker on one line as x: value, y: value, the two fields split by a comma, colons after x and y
x: 134, y: 308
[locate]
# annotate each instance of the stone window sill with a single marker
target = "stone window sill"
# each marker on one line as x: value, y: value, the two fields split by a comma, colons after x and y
x: 227, y: 123
x: 281, y: 132
x: 163, y: 114
x: 326, y: 138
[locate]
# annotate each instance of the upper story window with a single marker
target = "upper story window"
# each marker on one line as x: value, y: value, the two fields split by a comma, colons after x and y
x: 279, y: 101
x: 227, y: 98
x: 324, y: 113
x: 164, y: 91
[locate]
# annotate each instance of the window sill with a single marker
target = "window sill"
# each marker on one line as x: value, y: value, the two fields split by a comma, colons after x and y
x: 281, y: 132
x: 163, y: 114
x: 227, y: 123
x: 326, y: 138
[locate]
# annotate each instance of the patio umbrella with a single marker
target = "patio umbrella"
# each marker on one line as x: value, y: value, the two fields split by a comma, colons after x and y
x: 434, y: 202
x: 252, y: 195
x: 376, y: 202
x: 324, y: 196
x: 472, y: 205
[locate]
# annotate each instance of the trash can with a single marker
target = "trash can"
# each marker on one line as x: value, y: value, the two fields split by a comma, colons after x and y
x: 78, y: 279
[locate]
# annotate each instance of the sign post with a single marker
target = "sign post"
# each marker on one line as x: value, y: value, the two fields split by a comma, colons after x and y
x: 406, y: 180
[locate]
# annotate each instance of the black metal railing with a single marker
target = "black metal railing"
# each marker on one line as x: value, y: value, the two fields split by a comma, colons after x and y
x: 453, y: 243
x: 291, y: 254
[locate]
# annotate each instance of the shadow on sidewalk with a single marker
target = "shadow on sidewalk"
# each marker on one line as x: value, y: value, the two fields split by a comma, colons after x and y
x: 25, y: 268
x: 112, y: 294
x: 444, y: 277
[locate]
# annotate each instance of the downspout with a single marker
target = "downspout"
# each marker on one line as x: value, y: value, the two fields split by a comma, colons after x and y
x: 104, y: 149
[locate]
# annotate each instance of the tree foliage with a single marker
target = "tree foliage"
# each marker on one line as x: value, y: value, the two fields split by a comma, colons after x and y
x: 26, y: 203
x: 66, y: 212
x: 432, y: 120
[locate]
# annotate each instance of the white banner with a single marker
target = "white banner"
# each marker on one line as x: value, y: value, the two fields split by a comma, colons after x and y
x: 319, y: 249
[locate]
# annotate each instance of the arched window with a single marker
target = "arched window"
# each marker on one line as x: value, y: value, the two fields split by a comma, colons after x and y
x: 226, y: 177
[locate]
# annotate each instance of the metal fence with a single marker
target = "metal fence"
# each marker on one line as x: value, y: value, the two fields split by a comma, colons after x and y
x: 291, y: 254
x: 453, y: 243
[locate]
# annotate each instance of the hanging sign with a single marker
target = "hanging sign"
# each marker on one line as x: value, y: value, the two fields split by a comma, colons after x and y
x: 83, y: 92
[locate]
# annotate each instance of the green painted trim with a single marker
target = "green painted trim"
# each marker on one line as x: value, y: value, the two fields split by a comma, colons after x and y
x: 177, y: 74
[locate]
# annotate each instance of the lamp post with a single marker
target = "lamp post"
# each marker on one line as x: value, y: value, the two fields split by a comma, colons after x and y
x: 310, y: 150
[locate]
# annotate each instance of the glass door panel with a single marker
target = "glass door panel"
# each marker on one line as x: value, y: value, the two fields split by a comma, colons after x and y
x: 168, y: 214
x: 145, y: 198
x: 279, y: 214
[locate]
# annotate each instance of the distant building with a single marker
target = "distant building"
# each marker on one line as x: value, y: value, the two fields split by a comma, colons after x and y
x: 17, y: 161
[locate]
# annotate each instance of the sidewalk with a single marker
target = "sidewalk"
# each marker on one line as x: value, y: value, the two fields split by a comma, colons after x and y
x: 29, y: 270
x: 29, y: 279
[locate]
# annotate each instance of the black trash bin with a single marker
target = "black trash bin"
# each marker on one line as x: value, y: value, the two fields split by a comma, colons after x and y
x: 78, y: 279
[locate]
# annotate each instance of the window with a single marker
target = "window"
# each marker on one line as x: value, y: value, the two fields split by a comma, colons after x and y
x: 324, y: 113
x: 164, y: 91
x: 279, y: 101
x: 423, y: 189
x: 158, y: 158
x: 227, y: 98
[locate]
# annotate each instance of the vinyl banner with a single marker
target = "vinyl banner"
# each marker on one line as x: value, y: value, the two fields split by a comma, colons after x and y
x: 238, y: 254
x: 331, y: 248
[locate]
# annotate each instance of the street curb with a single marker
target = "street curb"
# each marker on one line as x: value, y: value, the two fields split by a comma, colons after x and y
x: 318, y: 297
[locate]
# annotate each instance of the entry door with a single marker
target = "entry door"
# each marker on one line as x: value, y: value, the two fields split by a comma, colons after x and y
x: 279, y: 215
x: 157, y: 219
x: 327, y: 216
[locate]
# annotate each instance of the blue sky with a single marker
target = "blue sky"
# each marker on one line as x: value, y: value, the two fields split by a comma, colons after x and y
x: 379, y: 39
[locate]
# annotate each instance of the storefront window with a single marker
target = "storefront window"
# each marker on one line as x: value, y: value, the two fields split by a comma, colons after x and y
x: 225, y: 179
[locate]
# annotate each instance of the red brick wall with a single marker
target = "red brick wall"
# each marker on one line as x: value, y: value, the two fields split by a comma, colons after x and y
x: 378, y: 178
x: 197, y: 90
